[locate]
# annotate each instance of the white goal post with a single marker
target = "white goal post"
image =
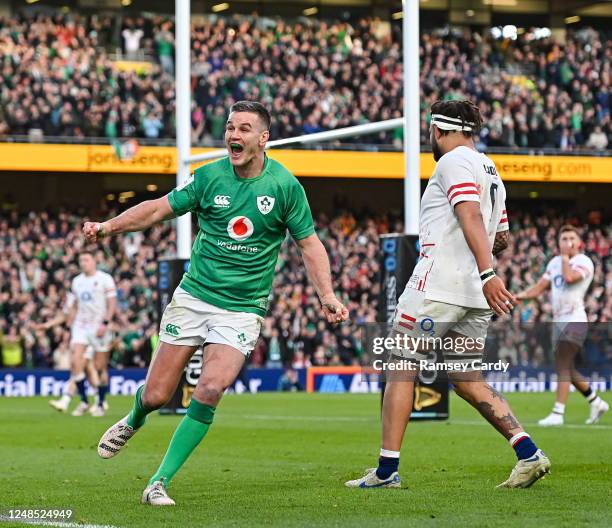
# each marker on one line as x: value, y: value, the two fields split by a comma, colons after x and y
x: 410, y: 121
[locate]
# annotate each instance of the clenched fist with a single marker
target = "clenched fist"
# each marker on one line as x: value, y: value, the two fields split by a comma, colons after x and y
x: 333, y: 309
x: 94, y: 231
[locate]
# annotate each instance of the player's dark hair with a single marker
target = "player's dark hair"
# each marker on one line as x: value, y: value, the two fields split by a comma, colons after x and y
x: 465, y: 110
x: 255, y: 108
x: 568, y: 228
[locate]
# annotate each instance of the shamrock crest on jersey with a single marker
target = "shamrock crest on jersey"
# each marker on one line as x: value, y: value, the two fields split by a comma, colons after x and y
x: 265, y: 204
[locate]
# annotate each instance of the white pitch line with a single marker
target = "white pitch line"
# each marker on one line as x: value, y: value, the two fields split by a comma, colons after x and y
x: 281, y: 417
x: 59, y: 524
x: 305, y: 418
x: 535, y: 424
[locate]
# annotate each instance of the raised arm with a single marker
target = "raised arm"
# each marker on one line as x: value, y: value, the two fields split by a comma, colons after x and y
x: 57, y: 320
x: 319, y: 273
x: 534, y: 291
x: 570, y: 274
x: 66, y: 316
x: 137, y: 218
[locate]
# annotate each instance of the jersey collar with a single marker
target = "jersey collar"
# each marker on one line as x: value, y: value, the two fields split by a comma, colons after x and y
x: 264, y: 169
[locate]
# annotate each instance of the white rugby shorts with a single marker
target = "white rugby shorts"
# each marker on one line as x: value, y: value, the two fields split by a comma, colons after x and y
x: 417, y: 317
x: 574, y: 332
x: 190, y: 321
x: 81, y: 335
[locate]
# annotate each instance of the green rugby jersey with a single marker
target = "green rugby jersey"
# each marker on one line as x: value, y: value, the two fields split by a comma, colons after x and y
x: 242, y: 222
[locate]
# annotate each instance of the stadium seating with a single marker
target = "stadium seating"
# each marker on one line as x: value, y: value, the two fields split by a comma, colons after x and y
x: 58, y: 80
x: 37, y: 263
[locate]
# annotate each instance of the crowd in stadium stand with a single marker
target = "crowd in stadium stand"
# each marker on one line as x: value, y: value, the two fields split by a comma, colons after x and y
x: 58, y: 80
x: 38, y: 261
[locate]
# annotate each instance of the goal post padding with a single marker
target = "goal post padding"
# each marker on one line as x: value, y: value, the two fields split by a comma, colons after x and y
x: 398, y: 256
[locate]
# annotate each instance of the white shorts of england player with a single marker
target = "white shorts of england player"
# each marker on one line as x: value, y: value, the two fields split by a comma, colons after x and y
x: 431, y: 321
x: 570, y: 331
x: 87, y: 336
x: 190, y: 321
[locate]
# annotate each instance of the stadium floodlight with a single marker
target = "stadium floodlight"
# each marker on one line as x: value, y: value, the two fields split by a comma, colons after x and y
x: 217, y: 8
x: 410, y: 121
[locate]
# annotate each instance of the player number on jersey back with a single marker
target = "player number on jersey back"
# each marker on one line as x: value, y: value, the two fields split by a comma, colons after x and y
x: 493, y: 192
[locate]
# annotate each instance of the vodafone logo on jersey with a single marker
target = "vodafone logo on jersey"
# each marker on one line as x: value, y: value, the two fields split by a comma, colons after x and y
x: 240, y: 228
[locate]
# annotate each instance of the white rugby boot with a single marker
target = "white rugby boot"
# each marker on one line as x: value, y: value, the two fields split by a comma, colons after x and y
x: 371, y: 480
x: 61, y: 404
x: 551, y: 420
x: 97, y: 402
x: 115, y: 438
x: 156, y: 495
x: 97, y: 411
x: 598, y: 409
x: 527, y: 471
x: 80, y: 409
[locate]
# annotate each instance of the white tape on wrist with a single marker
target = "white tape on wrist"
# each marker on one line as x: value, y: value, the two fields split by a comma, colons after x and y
x: 488, y: 279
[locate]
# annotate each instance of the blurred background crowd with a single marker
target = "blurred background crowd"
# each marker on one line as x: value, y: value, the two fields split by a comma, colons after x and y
x: 58, y: 78
x: 38, y: 259
x: 101, y: 78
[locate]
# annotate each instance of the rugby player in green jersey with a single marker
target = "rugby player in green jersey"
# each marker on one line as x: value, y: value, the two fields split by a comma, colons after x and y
x: 244, y: 203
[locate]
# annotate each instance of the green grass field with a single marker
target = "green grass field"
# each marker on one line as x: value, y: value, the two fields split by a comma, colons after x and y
x: 281, y: 460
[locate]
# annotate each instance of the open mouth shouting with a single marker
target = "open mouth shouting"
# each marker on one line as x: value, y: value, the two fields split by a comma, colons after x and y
x: 235, y: 150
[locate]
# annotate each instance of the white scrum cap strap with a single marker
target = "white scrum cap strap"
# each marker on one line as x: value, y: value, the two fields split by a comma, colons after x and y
x: 451, y: 123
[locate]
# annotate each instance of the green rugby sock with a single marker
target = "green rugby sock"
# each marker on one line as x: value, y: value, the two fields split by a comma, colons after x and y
x: 188, y: 435
x: 138, y: 414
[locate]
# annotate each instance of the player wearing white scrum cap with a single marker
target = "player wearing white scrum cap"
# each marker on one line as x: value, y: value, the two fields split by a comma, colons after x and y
x: 453, y: 292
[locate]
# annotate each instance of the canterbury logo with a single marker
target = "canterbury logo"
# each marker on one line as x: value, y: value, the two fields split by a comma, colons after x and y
x: 222, y: 200
x: 172, y: 330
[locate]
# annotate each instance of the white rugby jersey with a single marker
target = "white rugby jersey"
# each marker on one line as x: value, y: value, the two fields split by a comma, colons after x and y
x: 91, y: 293
x: 568, y: 299
x: 446, y: 270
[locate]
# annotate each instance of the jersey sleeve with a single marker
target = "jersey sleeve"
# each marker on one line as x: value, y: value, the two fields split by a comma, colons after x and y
x: 548, y: 273
x: 583, y: 265
x: 110, y: 289
x: 503, y: 224
x: 185, y: 197
x: 457, y: 179
x: 70, y: 300
x: 72, y: 297
x: 298, y: 217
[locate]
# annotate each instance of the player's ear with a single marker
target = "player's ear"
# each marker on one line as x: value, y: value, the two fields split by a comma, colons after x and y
x: 264, y: 137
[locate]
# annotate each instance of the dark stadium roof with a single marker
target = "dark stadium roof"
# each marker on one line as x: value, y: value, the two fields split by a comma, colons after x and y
x: 479, y: 11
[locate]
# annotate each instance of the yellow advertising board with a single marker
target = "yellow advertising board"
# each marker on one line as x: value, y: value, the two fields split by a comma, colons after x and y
x: 85, y: 158
x: 304, y: 163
